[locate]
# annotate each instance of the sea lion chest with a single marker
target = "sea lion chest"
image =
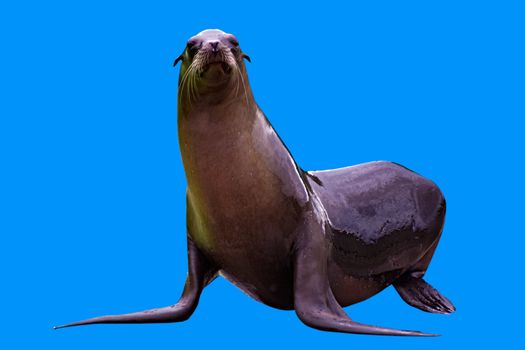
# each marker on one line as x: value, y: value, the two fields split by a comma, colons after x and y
x: 244, y: 202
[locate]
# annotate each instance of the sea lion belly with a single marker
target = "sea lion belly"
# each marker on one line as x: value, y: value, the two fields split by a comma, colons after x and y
x: 252, y: 251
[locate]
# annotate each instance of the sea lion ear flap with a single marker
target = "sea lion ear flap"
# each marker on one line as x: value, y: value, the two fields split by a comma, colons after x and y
x: 180, y: 58
x: 246, y: 57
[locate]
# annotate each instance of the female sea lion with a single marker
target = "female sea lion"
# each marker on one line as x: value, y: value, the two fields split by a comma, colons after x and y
x: 308, y: 241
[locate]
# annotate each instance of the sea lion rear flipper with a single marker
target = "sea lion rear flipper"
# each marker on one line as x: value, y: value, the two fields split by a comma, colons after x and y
x: 314, y: 301
x: 200, y: 273
x: 419, y: 294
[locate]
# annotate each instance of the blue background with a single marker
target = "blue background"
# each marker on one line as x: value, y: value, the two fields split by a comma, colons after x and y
x: 92, y: 185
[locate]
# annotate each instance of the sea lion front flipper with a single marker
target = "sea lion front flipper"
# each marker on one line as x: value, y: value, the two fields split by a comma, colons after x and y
x: 419, y: 294
x: 200, y: 273
x: 314, y: 301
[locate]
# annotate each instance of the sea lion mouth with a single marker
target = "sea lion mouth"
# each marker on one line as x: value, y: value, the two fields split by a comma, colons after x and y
x: 220, y: 66
x: 215, y: 71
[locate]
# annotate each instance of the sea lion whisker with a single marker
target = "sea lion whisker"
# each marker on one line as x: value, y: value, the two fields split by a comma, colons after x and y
x: 237, y: 80
x: 188, y: 85
x: 184, y: 77
x: 193, y: 85
x: 183, y: 88
x: 189, y: 69
x: 191, y: 82
x: 243, y: 85
x: 181, y: 82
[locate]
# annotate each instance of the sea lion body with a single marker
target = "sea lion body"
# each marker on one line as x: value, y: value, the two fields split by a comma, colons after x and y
x: 384, y: 218
x: 308, y: 241
x: 227, y: 211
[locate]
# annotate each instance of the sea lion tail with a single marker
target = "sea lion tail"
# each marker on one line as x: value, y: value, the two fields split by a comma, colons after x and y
x: 173, y: 313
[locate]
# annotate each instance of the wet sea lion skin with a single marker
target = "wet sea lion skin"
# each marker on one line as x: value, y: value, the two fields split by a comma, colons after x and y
x: 308, y: 241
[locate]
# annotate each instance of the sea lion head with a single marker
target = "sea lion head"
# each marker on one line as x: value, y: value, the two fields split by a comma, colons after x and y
x: 212, y: 63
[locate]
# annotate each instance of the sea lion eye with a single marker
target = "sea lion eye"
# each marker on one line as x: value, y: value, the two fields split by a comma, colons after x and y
x: 234, y: 41
x: 192, y: 46
x: 191, y: 43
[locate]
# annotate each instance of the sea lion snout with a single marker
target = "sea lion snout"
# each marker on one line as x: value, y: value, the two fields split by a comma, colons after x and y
x: 214, y: 46
x: 214, y: 51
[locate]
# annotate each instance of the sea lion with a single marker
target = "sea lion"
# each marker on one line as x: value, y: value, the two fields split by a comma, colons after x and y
x: 312, y: 242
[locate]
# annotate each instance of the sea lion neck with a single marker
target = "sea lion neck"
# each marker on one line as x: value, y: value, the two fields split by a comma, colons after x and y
x: 218, y: 108
x: 220, y: 133
x: 234, y: 144
x: 214, y: 117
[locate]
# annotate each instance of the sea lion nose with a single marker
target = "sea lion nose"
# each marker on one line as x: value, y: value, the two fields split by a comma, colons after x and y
x: 214, y: 46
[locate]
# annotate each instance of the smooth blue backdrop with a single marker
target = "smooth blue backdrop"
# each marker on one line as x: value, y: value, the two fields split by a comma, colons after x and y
x: 92, y: 185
